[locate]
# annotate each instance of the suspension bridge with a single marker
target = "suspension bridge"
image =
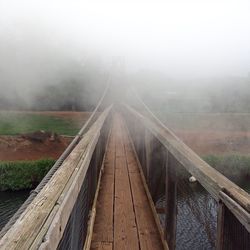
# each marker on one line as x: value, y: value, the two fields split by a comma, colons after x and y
x: 102, y: 192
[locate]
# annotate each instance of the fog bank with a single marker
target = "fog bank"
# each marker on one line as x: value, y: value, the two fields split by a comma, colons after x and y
x: 179, y: 43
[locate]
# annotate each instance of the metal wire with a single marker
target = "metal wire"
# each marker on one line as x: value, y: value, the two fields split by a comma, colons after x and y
x: 197, y: 209
x: 235, y: 234
x: 76, y: 229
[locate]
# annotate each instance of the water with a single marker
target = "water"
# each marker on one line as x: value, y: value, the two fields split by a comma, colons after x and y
x: 196, y: 217
x: 9, y: 204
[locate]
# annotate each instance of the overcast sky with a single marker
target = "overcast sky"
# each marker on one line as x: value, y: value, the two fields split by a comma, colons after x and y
x: 182, y: 38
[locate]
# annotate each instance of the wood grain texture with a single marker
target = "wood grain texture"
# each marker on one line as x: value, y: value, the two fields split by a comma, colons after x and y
x: 30, y: 224
x: 209, y: 178
x: 134, y: 226
x: 103, y: 228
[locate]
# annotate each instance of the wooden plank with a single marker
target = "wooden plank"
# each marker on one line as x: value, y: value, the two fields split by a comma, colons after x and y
x: 209, y: 178
x: 150, y: 200
x: 240, y: 213
x: 102, y: 246
x: 66, y: 203
x: 220, y: 226
x: 88, y: 240
x: 148, y: 152
x: 125, y: 231
x: 171, y: 202
x: 149, y: 235
x: 103, y: 228
x: 134, y: 223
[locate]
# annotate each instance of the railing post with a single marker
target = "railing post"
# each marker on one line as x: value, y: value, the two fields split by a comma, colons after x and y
x: 148, y: 154
x: 171, y: 204
x: 232, y: 232
x: 220, y: 225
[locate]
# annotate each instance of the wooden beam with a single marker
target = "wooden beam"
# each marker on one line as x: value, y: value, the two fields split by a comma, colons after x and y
x: 171, y: 202
x: 240, y: 213
x: 209, y: 178
x: 220, y: 226
x: 29, y: 225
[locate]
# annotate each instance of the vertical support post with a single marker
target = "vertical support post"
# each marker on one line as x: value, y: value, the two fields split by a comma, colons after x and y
x: 171, y: 204
x: 148, y: 154
x: 220, y: 226
x: 96, y: 165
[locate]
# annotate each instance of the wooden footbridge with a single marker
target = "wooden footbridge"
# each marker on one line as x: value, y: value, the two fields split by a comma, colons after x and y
x: 102, y: 193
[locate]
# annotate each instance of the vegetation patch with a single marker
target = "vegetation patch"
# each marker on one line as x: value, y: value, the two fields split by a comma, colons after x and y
x: 14, y: 123
x: 235, y: 167
x: 21, y: 175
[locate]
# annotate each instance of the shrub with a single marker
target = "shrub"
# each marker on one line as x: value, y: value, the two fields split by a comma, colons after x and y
x: 20, y: 175
x: 232, y: 166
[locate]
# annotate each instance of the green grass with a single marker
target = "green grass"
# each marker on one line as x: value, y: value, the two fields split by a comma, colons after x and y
x: 232, y: 166
x: 20, y: 175
x: 14, y: 123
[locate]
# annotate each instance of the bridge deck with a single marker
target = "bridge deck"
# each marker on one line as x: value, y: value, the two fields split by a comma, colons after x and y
x: 124, y: 218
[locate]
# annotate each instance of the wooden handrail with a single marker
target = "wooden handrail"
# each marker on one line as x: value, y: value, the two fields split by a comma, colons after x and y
x: 213, y: 181
x: 30, y: 228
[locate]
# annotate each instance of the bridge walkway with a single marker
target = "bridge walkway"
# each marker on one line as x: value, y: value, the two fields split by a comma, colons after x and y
x: 124, y: 218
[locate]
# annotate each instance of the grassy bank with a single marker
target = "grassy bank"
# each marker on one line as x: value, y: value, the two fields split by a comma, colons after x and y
x: 14, y: 123
x: 235, y: 167
x: 20, y: 175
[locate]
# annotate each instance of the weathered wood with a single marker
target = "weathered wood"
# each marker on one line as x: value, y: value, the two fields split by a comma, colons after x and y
x: 148, y: 154
x: 69, y: 196
x: 66, y: 202
x: 28, y: 226
x: 240, y: 213
x: 220, y: 226
x: 131, y: 157
x: 102, y: 246
x: 132, y: 214
x: 91, y: 222
x: 125, y: 230
x: 103, y: 227
x: 149, y: 235
x: 171, y: 202
x: 209, y: 178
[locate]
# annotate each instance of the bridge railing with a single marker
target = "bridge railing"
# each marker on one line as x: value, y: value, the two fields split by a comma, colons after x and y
x: 57, y: 218
x: 102, y: 103
x: 165, y: 160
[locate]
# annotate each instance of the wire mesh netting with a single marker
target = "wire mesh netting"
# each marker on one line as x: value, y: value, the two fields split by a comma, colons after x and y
x: 196, y: 216
x: 76, y: 229
x: 197, y: 211
x: 235, y: 235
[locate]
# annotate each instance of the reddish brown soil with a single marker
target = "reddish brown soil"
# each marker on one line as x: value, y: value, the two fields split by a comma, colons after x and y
x: 14, y: 148
x: 216, y: 142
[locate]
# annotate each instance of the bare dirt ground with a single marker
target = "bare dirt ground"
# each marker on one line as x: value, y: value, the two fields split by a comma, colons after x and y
x: 205, y: 142
x: 34, y: 147
x: 14, y: 148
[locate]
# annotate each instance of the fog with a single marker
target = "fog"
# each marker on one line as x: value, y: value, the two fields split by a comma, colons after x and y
x: 175, y: 44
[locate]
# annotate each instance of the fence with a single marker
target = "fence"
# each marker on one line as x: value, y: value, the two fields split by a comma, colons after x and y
x: 58, y: 215
x: 167, y: 164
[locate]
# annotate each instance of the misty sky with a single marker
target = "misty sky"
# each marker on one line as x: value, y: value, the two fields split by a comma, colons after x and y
x: 180, y: 38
